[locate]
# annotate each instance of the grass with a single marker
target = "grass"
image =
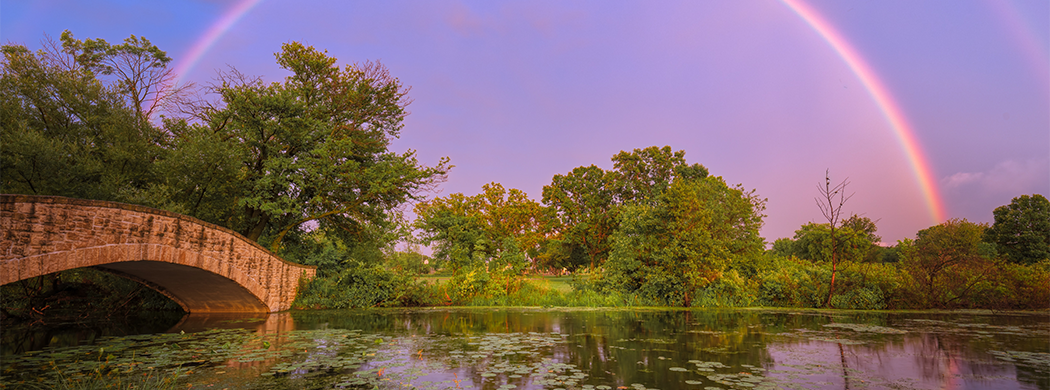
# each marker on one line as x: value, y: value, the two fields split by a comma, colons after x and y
x: 556, y: 283
x: 434, y: 279
x: 541, y: 291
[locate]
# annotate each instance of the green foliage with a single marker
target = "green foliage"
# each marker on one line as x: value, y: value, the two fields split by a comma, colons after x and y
x: 790, y: 282
x: 494, y: 229
x: 311, y: 149
x: 536, y: 294
x: 584, y: 215
x: 947, y: 261
x: 1017, y: 287
x: 66, y: 133
x: 1022, y: 229
x: 410, y: 263
x: 695, y: 231
x: 783, y: 247
x: 642, y: 175
x: 855, y: 241
x: 586, y: 203
x: 360, y: 286
x: 730, y: 290
x: 139, y: 67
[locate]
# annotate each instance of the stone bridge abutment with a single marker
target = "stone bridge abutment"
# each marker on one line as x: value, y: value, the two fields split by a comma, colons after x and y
x: 204, y: 267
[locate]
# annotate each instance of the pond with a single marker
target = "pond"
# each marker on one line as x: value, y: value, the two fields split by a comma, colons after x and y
x: 591, y: 349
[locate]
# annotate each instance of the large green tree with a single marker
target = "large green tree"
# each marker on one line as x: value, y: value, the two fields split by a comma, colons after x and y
x: 684, y: 239
x: 312, y: 150
x: 583, y: 216
x: 586, y: 202
x: 1022, y: 229
x: 65, y: 132
x: 640, y: 176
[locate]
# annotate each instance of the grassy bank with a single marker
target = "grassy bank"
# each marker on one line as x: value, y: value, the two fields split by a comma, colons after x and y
x: 788, y: 283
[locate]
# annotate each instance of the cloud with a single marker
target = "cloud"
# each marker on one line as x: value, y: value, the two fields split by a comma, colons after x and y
x: 1011, y: 176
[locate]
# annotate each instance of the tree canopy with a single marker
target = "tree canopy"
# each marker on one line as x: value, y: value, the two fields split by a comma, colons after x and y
x: 139, y: 67
x: 311, y: 149
x: 855, y: 240
x: 583, y: 216
x: 65, y: 132
x: 1022, y: 229
x: 948, y: 260
x: 586, y: 203
x: 472, y: 231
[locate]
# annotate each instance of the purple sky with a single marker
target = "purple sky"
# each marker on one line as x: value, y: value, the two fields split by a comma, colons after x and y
x: 516, y: 92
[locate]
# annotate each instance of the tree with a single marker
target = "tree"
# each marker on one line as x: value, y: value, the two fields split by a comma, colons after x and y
x: 311, y: 149
x: 643, y: 174
x: 472, y: 231
x: 813, y: 242
x: 694, y: 231
x: 65, y: 132
x: 1022, y: 229
x: 140, y: 68
x: 832, y: 213
x: 947, y: 261
x: 583, y: 215
x: 586, y: 202
x: 783, y: 247
x: 855, y: 240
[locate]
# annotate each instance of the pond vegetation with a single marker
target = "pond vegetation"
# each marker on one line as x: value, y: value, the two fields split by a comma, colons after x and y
x: 494, y: 348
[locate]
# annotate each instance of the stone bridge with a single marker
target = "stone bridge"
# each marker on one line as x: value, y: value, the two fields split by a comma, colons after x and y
x: 204, y: 267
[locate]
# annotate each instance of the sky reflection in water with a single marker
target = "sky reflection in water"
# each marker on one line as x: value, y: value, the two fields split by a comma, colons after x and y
x: 593, y: 349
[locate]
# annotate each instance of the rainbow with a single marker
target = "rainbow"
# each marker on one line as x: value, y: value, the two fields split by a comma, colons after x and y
x: 206, y: 40
x: 1024, y: 37
x: 901, y: 129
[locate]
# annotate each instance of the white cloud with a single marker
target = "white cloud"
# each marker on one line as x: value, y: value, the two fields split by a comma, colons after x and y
x: 1011, y: 176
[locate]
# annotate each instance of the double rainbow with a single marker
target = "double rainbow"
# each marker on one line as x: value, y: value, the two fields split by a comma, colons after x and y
x: 903, y: 131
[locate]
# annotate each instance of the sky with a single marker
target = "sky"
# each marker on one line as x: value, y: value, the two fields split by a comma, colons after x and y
x: 931, y: 110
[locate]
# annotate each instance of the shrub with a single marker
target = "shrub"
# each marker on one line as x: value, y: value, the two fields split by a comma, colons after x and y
x: 354, y: 287
x: 730, y: 290
x: 791, y: 282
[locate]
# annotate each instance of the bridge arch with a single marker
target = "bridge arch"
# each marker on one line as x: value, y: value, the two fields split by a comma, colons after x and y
x: 203, y: 267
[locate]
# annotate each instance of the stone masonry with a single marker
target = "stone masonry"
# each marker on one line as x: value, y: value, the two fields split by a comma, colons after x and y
x: 204, y: 267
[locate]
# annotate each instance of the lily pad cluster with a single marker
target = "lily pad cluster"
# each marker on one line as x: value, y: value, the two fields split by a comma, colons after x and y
x: 165, y: 354
x: 313, y: 352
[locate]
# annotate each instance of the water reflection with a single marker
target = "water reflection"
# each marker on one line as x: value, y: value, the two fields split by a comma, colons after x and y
x: 615, y: 349
x: 22, y: 338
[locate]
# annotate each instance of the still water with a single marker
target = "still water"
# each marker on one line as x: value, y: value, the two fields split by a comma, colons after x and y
x: 590, y: 349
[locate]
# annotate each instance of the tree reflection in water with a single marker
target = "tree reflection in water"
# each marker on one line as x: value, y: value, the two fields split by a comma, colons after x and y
x: 633, y: 349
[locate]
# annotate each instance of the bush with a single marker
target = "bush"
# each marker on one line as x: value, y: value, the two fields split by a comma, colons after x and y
x: 1017, y: 287
x: 791, y: 282
x: 731, y: 290
x: 361, y: 286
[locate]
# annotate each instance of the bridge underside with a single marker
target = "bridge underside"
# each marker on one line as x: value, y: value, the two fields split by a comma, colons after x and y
x: 196, y: 290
